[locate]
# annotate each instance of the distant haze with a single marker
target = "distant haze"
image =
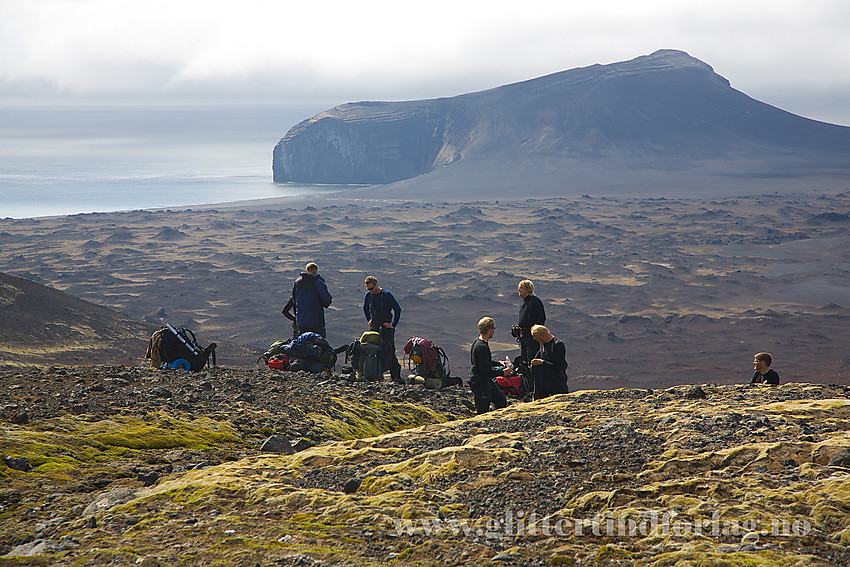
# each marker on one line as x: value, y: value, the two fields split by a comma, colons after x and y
x: 794, y: 54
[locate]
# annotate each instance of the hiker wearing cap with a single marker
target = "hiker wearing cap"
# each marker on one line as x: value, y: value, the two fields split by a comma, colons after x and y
x: 549, y: 365
x: 531, y: 312
x: 383, y: 313
x: 311, y: 296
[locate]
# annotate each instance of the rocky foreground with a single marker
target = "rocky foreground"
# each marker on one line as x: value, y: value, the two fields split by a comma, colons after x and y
x: 122, y: 466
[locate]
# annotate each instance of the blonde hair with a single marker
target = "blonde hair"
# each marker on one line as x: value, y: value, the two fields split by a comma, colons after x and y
x: 485, y: 324
x: 371, y: 279
x: 527, y: 285
x: 312, y: 267
x: 538, y: 331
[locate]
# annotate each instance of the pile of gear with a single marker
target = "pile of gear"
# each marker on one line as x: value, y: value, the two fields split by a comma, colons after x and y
x: 309, y: 351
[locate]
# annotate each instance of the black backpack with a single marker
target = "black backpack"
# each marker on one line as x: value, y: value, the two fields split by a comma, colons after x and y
x: 168, y: 345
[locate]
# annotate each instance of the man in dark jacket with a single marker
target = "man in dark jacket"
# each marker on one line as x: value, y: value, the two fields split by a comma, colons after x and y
x: 531, y: 313
x: 311, y: 297
x: 549, y: 366
x: 763, y: 372
x: 383, y: 313
x: 483, y: 370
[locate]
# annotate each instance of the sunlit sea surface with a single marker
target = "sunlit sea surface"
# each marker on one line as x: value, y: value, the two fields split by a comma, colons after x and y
x: 81, y: 159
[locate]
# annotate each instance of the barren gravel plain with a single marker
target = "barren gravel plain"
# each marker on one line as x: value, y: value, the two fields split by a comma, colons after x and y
x: 644, y: 292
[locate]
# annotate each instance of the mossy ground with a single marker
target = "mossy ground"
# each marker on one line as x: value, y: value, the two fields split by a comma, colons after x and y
x: 701, y: 491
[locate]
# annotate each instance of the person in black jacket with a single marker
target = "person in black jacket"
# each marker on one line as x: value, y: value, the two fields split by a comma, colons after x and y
x: 382, y: 314
x: 763, y: 372
x: 531, y: 312
x: 484, y: 369
x: 549, y: 366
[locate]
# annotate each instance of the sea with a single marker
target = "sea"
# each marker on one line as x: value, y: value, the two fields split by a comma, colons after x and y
x: 83, y: 158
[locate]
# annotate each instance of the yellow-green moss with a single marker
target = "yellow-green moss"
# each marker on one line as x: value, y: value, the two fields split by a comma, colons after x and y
x: 348, y: 421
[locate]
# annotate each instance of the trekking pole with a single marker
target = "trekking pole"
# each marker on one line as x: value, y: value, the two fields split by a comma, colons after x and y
x: 193, y: 348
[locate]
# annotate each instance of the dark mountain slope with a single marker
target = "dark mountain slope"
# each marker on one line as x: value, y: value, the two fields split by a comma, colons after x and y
x: 41, y: 325
x: 662, y: 119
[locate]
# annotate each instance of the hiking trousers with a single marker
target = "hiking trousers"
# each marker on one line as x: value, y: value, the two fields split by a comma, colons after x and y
x: 388, y: 338
x: 485, y: 392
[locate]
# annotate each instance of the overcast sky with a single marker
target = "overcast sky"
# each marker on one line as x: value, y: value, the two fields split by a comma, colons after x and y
x: 794, y: 54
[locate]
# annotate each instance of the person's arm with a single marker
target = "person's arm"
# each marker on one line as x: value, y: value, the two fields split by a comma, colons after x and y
x: 287, y: 309
x: 367, y: 301
x: 756, y: 377
x: 395, y: 308
x: 323, y: 293
x: 541, y: 315
x: 484, y: 361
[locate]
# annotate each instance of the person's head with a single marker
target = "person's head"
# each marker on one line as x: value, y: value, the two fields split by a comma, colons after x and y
x: 372, y: 284
x: 486, y: 326
x: 540, y: 333
x: 525, y: 288
x: 312, y: 268
x: 762, y: 362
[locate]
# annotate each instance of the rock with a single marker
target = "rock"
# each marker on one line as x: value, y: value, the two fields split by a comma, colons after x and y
x: 148, y: 561
x: 91, y: 523
x: 840, y: 459
x: 245, y: 397
x: 20, y: 418
x: 695, y: 393
x: 351, y: 485
x: 789, y: 463
x: 665, y: 421
x: 412, y: 395
x: 107, y: 500
x: 160, y: 392
x: 18, y: 463
x: 148, y: 477
x: 37, y: 547
x: 468, y: 404
x: 277, y: 444
x: 302, y: 444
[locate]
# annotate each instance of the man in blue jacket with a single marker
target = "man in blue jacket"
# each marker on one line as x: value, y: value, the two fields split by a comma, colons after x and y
x: 383, y: 313
x: 311, y: 297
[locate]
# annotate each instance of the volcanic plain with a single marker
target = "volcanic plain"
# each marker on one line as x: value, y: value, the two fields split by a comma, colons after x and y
x: 645, y: 292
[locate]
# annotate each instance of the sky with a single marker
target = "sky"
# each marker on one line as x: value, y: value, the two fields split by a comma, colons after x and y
x: 794, y: 54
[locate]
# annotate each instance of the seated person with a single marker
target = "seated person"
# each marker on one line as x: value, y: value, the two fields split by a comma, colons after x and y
x: 764, y: 374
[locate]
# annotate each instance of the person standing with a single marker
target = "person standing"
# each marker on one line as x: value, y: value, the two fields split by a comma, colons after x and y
x: 549, y: 366
x: 311, y: 297
x: 484, y: 369
x: 531, y: 312
x: 382, y: 314
x: 763, y: 373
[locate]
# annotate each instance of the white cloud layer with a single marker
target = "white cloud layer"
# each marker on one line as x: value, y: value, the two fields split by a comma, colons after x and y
x: 779, y: 50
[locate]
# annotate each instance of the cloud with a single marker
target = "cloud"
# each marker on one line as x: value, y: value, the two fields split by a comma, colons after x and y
x: 388, y: 49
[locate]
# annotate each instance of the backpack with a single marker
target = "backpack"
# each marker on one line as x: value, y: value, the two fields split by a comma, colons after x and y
x: 372, y: 337
x: 170, y: 346
x: 520, y: 384
x: 369, y: 363
x: 426, y: 359
x: 310, y: 351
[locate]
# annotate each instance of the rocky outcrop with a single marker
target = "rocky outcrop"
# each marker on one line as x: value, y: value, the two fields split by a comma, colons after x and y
x: 663, y: 112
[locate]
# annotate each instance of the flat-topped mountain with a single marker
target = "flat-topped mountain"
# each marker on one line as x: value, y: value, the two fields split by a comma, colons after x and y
x: 666, y: 119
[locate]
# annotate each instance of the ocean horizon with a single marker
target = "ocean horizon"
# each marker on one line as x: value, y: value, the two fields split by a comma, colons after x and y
x: 65, y: 160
